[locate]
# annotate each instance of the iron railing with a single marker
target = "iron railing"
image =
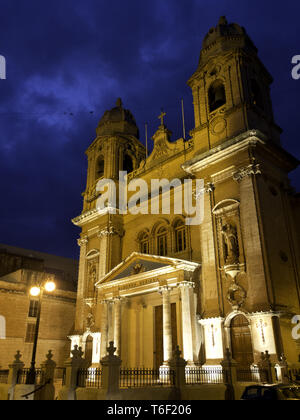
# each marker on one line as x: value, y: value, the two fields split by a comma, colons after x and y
x: 24, y: 373
x: 207, y: 375
x: 4, y: 376
x: 141, y: 377
x: 250, y: 374
x: 89, y: 378
x: 294, y: 375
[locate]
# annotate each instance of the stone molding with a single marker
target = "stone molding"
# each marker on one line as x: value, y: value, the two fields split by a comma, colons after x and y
x: 253, y: 169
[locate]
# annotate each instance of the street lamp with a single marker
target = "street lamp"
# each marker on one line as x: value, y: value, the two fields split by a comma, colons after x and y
x: 35, y: 291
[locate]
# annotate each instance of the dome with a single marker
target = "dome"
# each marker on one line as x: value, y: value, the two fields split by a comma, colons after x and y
x: 225, y: 30
x: 117, y: 120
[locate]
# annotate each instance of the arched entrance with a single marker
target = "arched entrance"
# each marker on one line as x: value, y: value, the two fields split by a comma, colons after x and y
x: 241, y: 342
x: 89, y: 349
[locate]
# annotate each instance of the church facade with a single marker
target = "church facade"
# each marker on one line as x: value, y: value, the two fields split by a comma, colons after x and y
x: 150, y: 282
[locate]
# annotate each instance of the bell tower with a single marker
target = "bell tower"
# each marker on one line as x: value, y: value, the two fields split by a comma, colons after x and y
x: 248, y: 246
x: 116, y: 148
x: 231, y: 88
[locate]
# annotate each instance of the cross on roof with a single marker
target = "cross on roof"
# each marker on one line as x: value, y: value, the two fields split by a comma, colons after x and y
x: 161, y: 117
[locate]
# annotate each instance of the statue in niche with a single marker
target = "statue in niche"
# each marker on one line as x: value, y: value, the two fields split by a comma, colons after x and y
x: 92, y: 279
x: 231, y: 245
x: 90, y: 321
x: 93, y: 273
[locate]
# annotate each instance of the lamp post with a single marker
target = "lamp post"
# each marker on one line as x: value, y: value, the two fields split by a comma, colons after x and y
x: 48, y: 286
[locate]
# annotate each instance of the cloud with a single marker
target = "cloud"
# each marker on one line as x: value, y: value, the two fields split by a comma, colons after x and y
x: 67, y: 62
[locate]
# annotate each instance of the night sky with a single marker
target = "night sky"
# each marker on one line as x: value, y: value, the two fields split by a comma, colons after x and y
x: 69, y: 60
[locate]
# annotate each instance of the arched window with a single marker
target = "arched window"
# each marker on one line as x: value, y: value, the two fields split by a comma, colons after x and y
x: 100, y: 167
x: 256, y: 95
x: 127, y: 164
x: 216, y: 95
x: 180, y: 236
x: 144, y: 243
x: 162, y: 241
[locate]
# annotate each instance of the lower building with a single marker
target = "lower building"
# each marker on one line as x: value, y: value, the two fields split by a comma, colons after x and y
x: 20, y: 271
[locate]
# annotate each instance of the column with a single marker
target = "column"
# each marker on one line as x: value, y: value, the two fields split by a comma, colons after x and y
x: 167, y: 323
x: 117, y: 325
x: 110, y: 247
x: 187, y: 329
x: 104, y: 327
x: 79, y: 324
x: 110, y: 321
x: 103, y: 248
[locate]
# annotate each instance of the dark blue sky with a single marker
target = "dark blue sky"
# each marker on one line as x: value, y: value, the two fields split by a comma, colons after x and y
x: 73, y: 57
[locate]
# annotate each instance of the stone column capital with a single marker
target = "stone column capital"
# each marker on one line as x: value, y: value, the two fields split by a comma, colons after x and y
x: 164, y: 289
x: 118, y: 299
x: 209, y: 187
x: 110, y: 230
x: 186, y: 284
x: 103, y: 301
x: 82, y: 241
x: 253, y: 169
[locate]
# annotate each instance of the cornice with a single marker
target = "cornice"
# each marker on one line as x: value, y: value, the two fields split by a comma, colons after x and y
x: 236, y: 144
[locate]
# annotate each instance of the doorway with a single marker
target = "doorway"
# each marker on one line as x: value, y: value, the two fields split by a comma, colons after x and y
x: 241, y: 341
x: 89, y: 350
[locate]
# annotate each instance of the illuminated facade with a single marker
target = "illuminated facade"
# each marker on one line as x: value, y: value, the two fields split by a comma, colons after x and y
x: 149, y: 282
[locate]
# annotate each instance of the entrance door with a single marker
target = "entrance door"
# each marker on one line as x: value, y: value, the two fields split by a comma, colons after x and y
x: 158, y: 334
x: 241, y: 341
x: 89, y: 350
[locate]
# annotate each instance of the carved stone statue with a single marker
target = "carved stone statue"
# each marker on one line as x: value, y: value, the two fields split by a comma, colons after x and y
x: 231, y: 244
x: 90, y: 321
x: 93, y: 273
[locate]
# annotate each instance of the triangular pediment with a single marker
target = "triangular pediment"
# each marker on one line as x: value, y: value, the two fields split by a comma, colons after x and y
x: 140, y: 264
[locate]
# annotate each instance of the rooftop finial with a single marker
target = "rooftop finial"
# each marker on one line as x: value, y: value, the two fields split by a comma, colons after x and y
x: 119, y: 103
x: 161, y: 117
x: 223, y: 20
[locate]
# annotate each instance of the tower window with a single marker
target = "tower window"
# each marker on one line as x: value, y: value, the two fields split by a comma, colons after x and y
x: 100, y: 168
x: 180, y: 236
x: 216, y: 95
x: 162, y: 247
x: 256, y: 95
x: 127, y: 164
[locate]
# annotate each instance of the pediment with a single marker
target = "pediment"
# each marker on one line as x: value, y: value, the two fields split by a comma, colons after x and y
x: 138, y: 264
